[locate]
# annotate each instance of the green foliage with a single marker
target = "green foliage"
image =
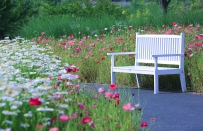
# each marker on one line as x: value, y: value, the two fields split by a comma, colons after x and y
x: 194, y: 61
x: 142, y: 13
x: 12, y: 15
x: 79, y: 8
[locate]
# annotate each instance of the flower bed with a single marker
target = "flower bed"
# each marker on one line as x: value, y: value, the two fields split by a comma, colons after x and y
x: 39, y: 92
x: 89, y: 54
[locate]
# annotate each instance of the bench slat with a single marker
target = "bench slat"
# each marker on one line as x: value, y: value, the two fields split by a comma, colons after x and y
x: 146, y: 47
x: 146, y: 70
x: 121, y: 53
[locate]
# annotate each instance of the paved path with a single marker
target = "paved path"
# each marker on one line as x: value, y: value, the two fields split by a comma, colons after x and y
x: 174, y: 111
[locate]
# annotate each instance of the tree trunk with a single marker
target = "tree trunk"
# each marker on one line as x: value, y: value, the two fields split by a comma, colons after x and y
x: 164, y: 4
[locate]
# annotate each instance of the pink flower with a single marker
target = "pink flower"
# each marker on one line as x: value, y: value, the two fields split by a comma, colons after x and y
x: 149, y: 24
x: 57, y: 96
x: 144, y: 124
x: 42, y: 33
x: 190, y: 56
x: 86, y: 56
x: 186, y: 24
x: 50, y: 77
x: 92, y: 124
x: 54, y: 129
x: 74, y: 69
x: 70, y: 36
x: 81, y: 106
x: 130, y: 27
x: 77, y: 86
x: 94, y: 106
x: 68, y: 84
x: 92, y: 44
x: 199, y: 37
x: 108, y: 94
x: 39, y: 126
x: 188, y: 74
x: 113, y: 86
x: 128, y: 106
x: 86, y: 120
x: 77, y: 49
x: 72, y: 55
x: 35, y: 102
x: 73, y: 116
x: 70, y: 42
x: 64, y: 118
x: 169, y: 32
x: 90, y: 51
x: 102, y: 58
x: 101, y: 90
x: 198, y: 27
x: 73, y: 76
x: 164, y: 26
x: 173, y: 23
x: 70, y: 92
x: 115, y: 96
x: 59, y: 78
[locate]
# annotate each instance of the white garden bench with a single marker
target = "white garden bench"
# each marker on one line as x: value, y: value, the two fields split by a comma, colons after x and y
x: 156, y: 49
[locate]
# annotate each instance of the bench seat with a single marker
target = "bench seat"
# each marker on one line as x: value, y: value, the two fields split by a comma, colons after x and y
x: 146, y: 70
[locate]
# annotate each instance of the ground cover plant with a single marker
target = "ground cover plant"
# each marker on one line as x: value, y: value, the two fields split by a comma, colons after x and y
x: 39, y: 92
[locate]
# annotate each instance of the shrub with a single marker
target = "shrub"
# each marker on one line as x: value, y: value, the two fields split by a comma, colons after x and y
x: 79, y: 8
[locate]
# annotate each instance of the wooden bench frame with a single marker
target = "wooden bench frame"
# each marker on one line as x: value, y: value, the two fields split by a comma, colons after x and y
x: 156, y: 49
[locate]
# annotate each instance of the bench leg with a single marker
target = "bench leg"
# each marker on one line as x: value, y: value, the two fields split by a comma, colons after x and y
x: 113, y: 78
x: 138, y: 78
x: 182, y: 81
x: 156, y: 84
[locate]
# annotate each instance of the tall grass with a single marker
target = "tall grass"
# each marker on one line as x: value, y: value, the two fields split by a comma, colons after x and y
x: 58, y: 26
x: 138, y: 15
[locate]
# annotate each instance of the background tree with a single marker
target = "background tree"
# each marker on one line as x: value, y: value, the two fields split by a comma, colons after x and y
x: 13, y: 14
x: 5, y: 16
x: 164, y: 4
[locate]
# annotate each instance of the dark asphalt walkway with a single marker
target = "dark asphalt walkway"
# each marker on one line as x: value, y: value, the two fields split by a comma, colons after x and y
x: 173, y: 111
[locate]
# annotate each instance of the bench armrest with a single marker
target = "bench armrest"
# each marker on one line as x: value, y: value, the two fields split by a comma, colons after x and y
x: 121, y: 53
x: 163, y: 55
x: 167, y: 55
x: 118, y: 53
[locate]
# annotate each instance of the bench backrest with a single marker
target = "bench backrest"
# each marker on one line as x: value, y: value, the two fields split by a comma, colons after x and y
x: 148, y: 45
